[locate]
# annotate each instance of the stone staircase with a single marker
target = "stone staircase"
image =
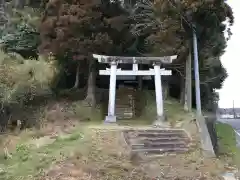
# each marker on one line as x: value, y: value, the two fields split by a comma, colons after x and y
x: 155, y: 142
x: 125, y: 103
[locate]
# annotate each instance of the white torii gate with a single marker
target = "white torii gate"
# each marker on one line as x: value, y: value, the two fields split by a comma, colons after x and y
x: 113, y: 72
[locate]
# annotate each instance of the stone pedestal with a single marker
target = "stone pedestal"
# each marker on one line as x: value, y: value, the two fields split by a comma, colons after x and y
x: 110, y: 119
x: 160, y: 121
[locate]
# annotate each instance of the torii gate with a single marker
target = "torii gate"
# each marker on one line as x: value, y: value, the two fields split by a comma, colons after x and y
x: 113, y: 72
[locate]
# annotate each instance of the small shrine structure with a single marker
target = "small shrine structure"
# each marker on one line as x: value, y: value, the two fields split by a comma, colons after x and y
x: 113, y: 72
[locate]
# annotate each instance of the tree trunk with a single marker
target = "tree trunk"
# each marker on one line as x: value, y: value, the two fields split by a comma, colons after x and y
x: 140, y: 83
x: 140, y: 80
x: 77, y: 77
x: 165, y: 90
x: 91, y: 98
x: 19, y: 4
x: 182, y: 88
x: 188, y: 83
x: 182, y: 95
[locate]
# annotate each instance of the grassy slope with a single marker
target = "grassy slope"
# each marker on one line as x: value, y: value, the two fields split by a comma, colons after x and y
x: 93, y: 153
x: 227, y: 144
x: 89, y: 150
x: 97, y: 154
x: 27, y: 160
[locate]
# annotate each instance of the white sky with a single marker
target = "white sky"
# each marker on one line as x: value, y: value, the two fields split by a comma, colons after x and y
x: 231, y: 61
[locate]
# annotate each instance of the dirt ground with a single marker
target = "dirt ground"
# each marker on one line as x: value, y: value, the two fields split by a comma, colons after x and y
x: 65, y: 148
x: 108, y: 157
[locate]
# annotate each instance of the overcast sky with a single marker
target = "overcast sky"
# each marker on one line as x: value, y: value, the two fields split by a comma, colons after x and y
x: 231, y: 61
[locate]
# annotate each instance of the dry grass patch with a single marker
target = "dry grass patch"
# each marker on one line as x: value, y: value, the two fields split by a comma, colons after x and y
x: 104, y: 156
x: 88, y: 153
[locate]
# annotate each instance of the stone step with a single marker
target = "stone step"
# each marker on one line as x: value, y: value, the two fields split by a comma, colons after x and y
x: 125, y: 117
x: 160, y: 150
x: 122, y: 110
x: 164, y: 139
x: 125, y: 103
x: 120, y: 107
x: 124, y: 113
x: 159, y: 141
x: 160, y: 145
x: 124, y: 90
x: 125, y: 109
x: 157, y: 131
x: 161, y: 134
x: 164, y: 143
x: 153, y: 142
x: 125, y: 96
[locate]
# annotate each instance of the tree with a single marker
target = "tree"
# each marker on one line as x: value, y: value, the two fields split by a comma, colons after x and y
x: 23, y: 40
x: 167, y: 26
x: 20, y: 34
x: 80, y: 28
x: 3, y: 14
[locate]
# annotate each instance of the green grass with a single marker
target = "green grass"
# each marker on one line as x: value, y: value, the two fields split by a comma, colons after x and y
x: 227, y: 149
x: 27, y: 162
x: 86, y: 112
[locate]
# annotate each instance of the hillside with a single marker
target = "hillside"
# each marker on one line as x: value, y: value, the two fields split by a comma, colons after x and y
x: 71, y: 149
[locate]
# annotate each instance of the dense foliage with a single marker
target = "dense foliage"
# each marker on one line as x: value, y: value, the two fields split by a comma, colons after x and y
x: 24, y: 75
x: 77, y: 29
x: 24, y: 40
x: 20, y: 34
x: 167, y: 26
x: 73, y: 30
x: 23, y: 79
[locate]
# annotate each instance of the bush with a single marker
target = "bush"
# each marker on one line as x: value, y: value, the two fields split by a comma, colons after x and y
x: 21, y: 80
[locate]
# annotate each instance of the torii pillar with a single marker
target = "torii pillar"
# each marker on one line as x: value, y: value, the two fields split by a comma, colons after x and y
x: 158, y: 92
x: 111, y: 117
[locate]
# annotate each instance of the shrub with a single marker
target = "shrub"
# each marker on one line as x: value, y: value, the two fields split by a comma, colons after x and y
x: 21, y: 80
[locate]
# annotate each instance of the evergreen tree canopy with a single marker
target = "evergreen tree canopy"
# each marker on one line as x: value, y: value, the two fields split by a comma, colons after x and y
x: 167, y: 26
x: 80, y: 28
x: 168, y: 23
x: 20, y: 34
